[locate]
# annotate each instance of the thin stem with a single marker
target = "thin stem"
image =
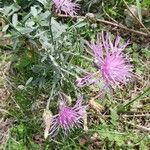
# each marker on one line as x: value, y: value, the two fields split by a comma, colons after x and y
x: 129, y: 116
x: 5, y: 47
x: 139, y: 126
x: 140, y: 22
x: 50, y: 29
x: 79, y: 55
x: 119, y: 25
x: 107, y: 13
x: 146, y: 92
x: 48, y: 101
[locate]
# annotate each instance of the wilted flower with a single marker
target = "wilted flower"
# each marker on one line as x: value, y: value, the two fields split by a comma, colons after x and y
x: 66, y: 6
x: 68, y: 117
x: 47, y: 118
x: 113, y: 65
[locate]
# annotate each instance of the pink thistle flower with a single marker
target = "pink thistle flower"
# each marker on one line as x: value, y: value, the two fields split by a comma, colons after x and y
x: 113, y: 65
x: 66, y: 6
x: 68, y: 117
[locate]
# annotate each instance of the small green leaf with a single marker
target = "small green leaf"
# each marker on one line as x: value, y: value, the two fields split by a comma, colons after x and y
x: 29, y: 81
x: 44, y: 2
x: 34, y: 11
x: 14, y: 19
x: 5, y: 28
x: 25, y: 30
x: 9, y: 10
x: 114, y: 116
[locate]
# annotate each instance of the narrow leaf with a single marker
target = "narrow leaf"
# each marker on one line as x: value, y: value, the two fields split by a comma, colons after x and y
x: 29, y: 81
x: 14, y: 19
x: 5, y: 28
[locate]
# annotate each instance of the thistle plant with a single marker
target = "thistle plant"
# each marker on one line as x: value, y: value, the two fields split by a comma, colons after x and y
x: 68, y: 117
x: 113, y: 65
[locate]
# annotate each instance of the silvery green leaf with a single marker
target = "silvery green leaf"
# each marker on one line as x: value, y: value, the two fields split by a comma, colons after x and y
x: 53, y: 60
x: 15, y: 42
x: 26, y: 17
x: 81, y: 24
x: 58, y: 28
x: 1, y: 10
x: 46, y: 45
x: 44, y: 2
x: 29, y: 23
x: 25, y: 30
x: 29, y: 81
x: 44, y: 23
x: 44, y: 58
x: 5, y: 28
x: 43, y: 19
x: 9, y: 10
x: 39, y: 33
x: 44, y: 40
x: 34, y: 11
x: 44, y: 15
x: 14, y: 19
x: 41, y: 82
x: 7, y: 35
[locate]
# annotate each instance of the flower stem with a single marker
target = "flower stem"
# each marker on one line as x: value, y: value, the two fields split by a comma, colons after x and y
x: 50, y: 29
x: 52, y: 92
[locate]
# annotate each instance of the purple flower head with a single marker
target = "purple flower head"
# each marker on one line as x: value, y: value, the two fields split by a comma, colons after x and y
x: 113, y: 65
x: 68, y: 117
x: 86, y: 80
x: 66, y: 6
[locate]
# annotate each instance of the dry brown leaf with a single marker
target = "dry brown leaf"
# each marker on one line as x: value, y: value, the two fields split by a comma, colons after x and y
x: 96, y: 106
x: 85, y: 127
x: 47, y: 118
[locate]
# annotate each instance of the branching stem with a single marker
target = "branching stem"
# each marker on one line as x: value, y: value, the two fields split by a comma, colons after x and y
x: 119, y: 25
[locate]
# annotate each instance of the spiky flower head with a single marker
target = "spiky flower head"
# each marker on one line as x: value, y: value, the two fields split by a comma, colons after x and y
x: 68, y: 117
x: 113, y: 65
x: 67, y: 6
